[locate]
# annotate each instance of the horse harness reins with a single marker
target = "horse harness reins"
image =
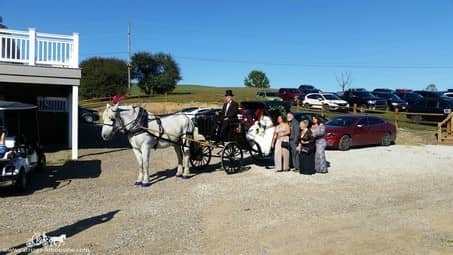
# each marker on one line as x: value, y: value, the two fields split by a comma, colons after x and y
x: 140, y: 125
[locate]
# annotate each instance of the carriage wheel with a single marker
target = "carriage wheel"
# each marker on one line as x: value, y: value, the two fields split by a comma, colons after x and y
x: 232, y: 158
x: 255, y: 151
x: 200, y: 155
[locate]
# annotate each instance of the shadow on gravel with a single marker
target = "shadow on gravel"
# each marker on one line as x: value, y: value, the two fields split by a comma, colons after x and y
x: 57, y: 177
x: 69, y: 230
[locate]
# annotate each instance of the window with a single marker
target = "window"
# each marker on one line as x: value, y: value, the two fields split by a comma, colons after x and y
x: 374, y: 121
x: 363, y: 122
x: 313, y: 96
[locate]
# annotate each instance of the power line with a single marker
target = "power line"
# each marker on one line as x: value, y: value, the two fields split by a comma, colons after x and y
x: 363, y: 66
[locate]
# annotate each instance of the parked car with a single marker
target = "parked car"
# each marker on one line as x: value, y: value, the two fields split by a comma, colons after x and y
x: 425, y: 93
x: 440, y: 105
x: 393, y: 101
x: 346, y: 131
x: 288, y: 94
x: 267, y: 95
x: 88, y: 115
x: 364, y: 100
x: 307, y: 89
x: 448, y: 94
x: 383, y: 91
x: 409, y: 96
x: 300, y: 116
x: 329, y: 100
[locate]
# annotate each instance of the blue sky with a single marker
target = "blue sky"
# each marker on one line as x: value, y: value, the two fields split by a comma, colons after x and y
x: 381, y: 43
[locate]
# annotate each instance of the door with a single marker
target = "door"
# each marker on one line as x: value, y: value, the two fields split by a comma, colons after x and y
x: 361, y: 132
x: 376, y: 129
x: 314, y: 100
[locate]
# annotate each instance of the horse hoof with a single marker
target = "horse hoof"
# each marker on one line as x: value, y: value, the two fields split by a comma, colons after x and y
x: 146, y: 185
x: 138, y: 183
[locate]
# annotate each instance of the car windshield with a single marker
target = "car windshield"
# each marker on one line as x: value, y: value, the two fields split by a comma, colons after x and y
x: 341, y: 121
x: 294, y: 91
x: 272, y: 94
x: 364, y: 94
x: 331, y: 97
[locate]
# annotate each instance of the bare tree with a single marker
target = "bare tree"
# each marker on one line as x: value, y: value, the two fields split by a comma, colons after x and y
x: 344, y: 80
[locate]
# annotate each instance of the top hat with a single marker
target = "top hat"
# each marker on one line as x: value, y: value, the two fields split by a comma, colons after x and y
x: 229, y: 93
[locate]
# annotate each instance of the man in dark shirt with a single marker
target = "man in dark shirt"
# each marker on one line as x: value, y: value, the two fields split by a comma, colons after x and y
x: 228, y: 115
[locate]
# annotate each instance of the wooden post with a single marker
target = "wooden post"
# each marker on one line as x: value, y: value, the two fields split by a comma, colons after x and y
x: 322, y: 110
x: 354, y: 108
x: 297, y: 105
x: 396, y: 118
x: 439, y: 133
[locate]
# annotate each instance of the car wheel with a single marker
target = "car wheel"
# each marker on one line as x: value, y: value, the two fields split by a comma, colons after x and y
x: 41, y: 162
x: 21, y: 182
x: 363, y: 108
x: 386, y: 139
x: 345, y: 143
x: 88, y: 118
x: 416, y: 118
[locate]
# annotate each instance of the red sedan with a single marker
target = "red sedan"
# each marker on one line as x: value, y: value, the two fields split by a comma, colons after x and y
x: 345, y: 131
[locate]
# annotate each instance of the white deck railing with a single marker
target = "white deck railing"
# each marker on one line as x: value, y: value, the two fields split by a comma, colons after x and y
x: 32, y: 48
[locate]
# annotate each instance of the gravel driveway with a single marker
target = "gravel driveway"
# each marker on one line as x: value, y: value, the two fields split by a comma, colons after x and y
x: 381, y: 200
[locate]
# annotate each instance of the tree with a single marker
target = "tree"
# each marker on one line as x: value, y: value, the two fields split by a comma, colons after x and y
x: 103, y: 77
x: 155, y: 73
x: 256, y: 79
x: 431, y: 87
x: 344, y: 80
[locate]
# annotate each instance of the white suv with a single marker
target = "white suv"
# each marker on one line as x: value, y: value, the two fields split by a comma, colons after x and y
x: 329, y: 100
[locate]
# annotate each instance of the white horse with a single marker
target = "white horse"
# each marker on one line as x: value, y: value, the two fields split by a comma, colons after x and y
x: 162, y: 132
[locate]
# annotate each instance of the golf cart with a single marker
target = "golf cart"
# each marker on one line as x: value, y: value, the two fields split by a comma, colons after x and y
x: 20, y: 150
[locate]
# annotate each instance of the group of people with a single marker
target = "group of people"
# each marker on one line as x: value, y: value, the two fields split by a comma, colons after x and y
x: 298, y: 146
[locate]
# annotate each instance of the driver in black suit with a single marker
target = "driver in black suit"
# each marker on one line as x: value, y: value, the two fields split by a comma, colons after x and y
x: 228, y: 116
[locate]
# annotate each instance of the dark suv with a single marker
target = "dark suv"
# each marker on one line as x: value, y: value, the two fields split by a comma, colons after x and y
x: 393, y: 101
x: 289, y: 94
x: 409, y: 96
x: 307, y: 89
x: 441, y: 105
x: 383, y: 91
x: 365, y: 100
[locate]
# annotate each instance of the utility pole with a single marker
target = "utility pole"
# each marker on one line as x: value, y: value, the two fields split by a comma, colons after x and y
x: 129, y: 58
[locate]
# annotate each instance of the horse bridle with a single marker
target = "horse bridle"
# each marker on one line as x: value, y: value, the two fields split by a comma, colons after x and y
x: 124, y: 127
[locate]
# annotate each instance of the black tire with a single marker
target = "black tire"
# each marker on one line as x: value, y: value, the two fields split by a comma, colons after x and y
x: 42, y: 162
x: 416, y: 118
x: 345, y: 143
x: 363, y: 108
x: 387, y: 139
x: 21, y: 182
x: 200, y: 155
x: 232, y: 158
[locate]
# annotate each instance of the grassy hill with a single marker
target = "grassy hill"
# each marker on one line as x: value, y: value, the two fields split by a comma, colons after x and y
x: 200, y: 93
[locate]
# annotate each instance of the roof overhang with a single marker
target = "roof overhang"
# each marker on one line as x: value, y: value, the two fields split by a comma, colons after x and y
x: 15, y: 106
x: 26, y: 74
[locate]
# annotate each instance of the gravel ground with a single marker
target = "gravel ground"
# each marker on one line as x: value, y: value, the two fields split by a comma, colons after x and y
x: 380, y: 200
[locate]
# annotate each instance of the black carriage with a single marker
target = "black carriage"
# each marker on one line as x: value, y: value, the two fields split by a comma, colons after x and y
x: 242, y: 136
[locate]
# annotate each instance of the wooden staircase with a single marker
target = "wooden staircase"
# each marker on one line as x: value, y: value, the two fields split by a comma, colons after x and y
x: 445, y: 131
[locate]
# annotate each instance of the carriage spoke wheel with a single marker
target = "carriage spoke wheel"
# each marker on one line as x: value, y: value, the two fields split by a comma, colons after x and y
x: 200, y: 155
x: 255, y: 151
x: 232, y: 158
